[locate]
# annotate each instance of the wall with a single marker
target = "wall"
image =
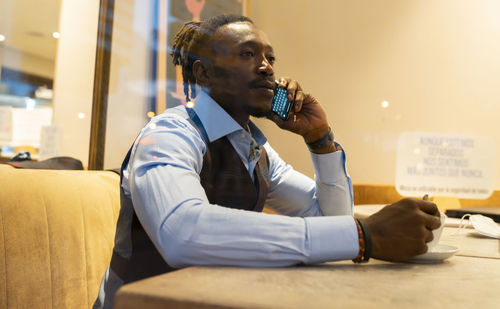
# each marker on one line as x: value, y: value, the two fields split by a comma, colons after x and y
x: 74, y: 75
x: 435, y: 62
x: 27, y: 63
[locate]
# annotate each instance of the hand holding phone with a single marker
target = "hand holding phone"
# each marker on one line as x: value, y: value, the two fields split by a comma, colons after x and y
x: 309, y: 117
x: 281, y: 105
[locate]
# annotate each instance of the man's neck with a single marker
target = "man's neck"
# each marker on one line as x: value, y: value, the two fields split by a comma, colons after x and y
x: 239, y: 115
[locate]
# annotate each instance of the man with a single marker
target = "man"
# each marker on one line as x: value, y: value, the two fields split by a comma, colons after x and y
x: 196, y: 179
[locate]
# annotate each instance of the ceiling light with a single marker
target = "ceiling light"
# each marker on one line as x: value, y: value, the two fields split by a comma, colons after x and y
x: 81, y: 115
x: 384, y: 104
x: 56, y: 35
x: 2, y: 37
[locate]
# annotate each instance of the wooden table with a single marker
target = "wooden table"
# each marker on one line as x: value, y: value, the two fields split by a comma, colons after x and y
x: 466, y: 280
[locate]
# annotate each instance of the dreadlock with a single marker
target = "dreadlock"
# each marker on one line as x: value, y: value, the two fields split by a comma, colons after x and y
x: 191, y: 42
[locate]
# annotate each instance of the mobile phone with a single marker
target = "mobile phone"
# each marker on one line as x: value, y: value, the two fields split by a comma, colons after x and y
x: 281, y: 105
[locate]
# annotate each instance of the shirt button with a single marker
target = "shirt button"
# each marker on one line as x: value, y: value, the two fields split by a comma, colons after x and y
x: 242, y: 135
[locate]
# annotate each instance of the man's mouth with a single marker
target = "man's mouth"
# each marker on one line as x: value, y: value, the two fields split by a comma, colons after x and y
x: 266, y: 84
x: 268, y: 91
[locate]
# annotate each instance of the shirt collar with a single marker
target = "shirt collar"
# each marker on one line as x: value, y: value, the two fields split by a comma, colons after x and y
x: 257, y: 134
x: 218, y: 123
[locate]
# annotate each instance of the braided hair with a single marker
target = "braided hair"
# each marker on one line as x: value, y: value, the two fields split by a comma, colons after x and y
x: 192, y: 42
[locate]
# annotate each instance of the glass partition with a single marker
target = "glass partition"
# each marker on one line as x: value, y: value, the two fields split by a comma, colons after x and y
x: 29, y: 32
x: 409, y: 87
x: 143, y: 80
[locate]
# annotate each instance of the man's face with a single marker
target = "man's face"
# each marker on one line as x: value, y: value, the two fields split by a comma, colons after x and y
x: 241, y: 77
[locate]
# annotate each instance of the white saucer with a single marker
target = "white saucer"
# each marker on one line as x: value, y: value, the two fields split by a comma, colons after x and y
x: 438, y: 254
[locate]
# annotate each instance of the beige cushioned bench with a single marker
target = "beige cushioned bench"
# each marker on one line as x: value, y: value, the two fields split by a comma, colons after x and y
x: 56, y: 235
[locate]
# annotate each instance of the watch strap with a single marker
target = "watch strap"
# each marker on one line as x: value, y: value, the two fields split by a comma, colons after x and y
x: 323, y: 142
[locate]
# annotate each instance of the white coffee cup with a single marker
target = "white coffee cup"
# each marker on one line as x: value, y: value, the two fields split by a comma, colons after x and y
x: 437, y: 234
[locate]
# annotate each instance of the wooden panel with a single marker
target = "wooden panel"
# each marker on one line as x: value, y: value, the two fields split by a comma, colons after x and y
x: 387, y: 194
x: 101, y: 85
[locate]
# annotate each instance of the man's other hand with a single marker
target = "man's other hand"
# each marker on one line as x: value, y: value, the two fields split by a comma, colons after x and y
x: 401, y: 231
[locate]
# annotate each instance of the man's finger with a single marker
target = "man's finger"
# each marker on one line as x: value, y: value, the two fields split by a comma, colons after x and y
x: 282, y: 82
x: 428, y: 207
x: 429, y: 236
x: 291, y: 90
x: 299, y: 99
x: 432, y: 222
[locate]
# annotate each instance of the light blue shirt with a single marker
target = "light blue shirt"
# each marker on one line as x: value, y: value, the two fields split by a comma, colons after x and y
x: 163, y: 180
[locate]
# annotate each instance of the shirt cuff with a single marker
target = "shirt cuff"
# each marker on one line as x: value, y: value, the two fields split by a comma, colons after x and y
x: 329, y: 167
x: 332, y: 238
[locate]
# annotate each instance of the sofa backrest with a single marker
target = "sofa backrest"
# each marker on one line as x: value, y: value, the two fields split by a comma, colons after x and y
x: 56, y: 235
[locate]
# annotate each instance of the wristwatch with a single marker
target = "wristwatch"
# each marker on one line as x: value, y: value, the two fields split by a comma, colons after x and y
x: 323, y: 142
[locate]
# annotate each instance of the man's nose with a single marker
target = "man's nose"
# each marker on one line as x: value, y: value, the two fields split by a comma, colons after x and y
x: 265, y: 68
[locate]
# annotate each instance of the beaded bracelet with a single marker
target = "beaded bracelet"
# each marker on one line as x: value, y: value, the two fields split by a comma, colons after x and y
x: 364, y: 242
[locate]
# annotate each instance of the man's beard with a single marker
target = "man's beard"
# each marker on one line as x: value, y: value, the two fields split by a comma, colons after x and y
x: 259, y: 111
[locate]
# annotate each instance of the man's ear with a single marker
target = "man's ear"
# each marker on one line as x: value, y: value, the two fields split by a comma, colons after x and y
x: 200, y: 73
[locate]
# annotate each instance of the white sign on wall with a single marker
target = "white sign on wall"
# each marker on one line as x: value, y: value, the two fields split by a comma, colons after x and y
x: 28, y: 124
x: 50, y: 142
x: 6, y: 123
x: 444, y: 165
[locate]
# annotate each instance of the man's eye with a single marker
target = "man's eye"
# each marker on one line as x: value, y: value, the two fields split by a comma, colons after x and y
x: 271, y: 59
x: 247, y: 54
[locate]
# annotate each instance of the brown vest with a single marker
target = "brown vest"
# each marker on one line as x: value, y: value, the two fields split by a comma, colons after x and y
x: 226, y: 182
